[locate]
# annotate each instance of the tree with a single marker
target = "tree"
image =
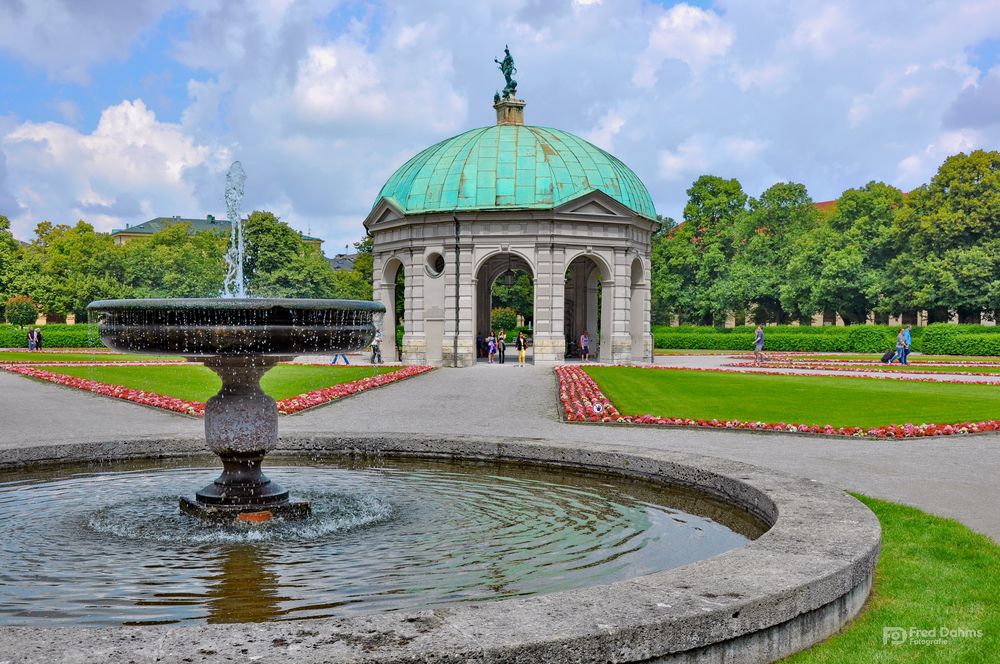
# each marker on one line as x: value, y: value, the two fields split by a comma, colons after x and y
x: 840, y: 265
x: 280, y: 263
x: 20, y: 310
x: 691, y: 262
x: 176, y: 263
x: 763, y: 239
x: 520, y: 296
x: 8, y: 258
x: 503, y: 318
x: 356, y: 283
x: 67, y: 267
x: 952, y: 220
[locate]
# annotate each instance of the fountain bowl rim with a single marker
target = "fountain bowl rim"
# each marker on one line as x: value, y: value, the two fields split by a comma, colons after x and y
x: 234, y: 304
x: 795, y: 585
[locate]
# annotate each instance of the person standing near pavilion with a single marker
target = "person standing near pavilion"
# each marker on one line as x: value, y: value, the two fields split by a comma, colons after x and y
x: 377, y: 348
x: 584, y: 347
x: 491, y: 347
x: 501, y: 345
x: 521, y: 344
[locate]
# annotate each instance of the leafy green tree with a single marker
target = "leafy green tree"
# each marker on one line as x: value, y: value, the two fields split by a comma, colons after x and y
x: 520, y: 296
x: 67, y: 267
x: 840, y: 265
x: 176, y: 263
x: 952, y: 220
x: 8, y: 258
x: 356, y: 283
x: 763, y: 239
x: 281, y: 264
x: 20, y: 310
x: 503, y: 318
x: 691, y: 261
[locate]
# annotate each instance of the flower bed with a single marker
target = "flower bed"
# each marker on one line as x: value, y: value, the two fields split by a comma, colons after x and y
x: 174, y: 404
x: 750, y: 368
x: 583, y: 401
x: 287, y: 406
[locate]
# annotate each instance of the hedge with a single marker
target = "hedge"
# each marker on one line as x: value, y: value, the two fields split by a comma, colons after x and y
x: 54, y: 335
x: 937, y: 339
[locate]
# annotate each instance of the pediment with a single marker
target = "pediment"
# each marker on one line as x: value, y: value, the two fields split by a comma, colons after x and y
x: 386, y: 210
x: 597, y: 203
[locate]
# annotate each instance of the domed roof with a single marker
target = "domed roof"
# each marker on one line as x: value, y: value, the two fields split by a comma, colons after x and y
x: 513, y: 166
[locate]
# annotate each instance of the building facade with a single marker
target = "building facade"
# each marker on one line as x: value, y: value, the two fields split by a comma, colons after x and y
x: 515, y: 197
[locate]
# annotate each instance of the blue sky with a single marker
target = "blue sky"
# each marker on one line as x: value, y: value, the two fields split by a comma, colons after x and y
x: 321, y: 101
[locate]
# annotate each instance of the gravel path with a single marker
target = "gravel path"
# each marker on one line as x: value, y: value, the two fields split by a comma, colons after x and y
x: 957, y: 477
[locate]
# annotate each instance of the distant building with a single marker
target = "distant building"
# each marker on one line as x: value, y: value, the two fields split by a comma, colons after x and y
x: 342, y: 262
x: 209, y: 223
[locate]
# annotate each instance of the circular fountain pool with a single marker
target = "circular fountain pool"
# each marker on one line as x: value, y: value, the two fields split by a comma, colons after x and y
x: 110, y: 547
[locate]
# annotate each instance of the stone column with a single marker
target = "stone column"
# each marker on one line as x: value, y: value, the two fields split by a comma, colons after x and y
x: 550, y: 293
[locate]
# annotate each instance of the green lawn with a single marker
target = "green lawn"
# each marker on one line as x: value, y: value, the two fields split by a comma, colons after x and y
x: 20, y: 356
x: 838, y: 401
x: 933, y: 572
x: 194, y: 382
x: 915, y: 368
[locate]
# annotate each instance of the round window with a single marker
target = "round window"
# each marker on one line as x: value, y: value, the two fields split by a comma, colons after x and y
x: 435, y: 264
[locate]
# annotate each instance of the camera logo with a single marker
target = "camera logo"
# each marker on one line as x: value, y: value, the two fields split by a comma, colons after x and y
x: 894, y: 635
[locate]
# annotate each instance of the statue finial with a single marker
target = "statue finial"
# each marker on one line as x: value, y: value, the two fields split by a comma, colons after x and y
x: 508, y: 69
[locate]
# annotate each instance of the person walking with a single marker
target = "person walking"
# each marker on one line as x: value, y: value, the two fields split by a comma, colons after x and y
x: 521, y: 344
x: 584, y: 346
x: 906, y: 349
x: 491, y: 348
x: 38, y: 338
x: 758, y: 345
x: 900, y: 346
x: 377, y: 348
x: 501, y: 345
x: 31, y: 339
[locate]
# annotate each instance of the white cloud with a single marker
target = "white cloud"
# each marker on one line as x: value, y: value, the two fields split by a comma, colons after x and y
x: 603, y: 135
x: 703, y: 153
x: 918, y: 168
x: 62, y: 174
x: 825, y: 31
x: 689, y: 34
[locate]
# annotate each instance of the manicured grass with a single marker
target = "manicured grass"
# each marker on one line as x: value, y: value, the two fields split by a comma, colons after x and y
x: 194, y: 382
x: 933, y: 572
x: 25, y: 356
x: 837, y: 401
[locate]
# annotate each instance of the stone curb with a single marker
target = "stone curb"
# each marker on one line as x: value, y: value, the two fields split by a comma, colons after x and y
x: 800, y: 582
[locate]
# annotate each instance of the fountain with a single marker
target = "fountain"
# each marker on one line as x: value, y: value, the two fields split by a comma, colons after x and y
x: 240, y: 339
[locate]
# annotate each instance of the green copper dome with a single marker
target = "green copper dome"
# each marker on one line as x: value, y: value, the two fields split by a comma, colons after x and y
x: 512, y: 166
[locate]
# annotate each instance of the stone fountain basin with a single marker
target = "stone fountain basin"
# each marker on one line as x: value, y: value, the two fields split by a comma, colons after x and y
x: 797, y: 584
x: 237, y: 326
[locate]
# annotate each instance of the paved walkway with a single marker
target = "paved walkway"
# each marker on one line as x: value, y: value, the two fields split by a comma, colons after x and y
x: 957, y: 477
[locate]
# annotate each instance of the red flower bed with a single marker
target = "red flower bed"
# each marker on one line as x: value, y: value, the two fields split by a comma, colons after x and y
x: 583, y: 401
x: 117, y: 391
x: 804, y: 369
x: 197, y: 408
x: 318, y: 397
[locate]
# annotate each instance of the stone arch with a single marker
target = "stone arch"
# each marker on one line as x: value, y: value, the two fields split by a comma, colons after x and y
x: 387, y: 296
x: 589, y: 303
x: 487, y: 270
x: 638, y: 308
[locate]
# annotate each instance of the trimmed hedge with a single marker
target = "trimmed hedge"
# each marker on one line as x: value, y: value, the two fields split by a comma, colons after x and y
x: 937, y: 339
x: 54, y: 335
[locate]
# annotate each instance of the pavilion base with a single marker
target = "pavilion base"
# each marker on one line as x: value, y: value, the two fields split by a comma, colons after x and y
x: 287, y: 511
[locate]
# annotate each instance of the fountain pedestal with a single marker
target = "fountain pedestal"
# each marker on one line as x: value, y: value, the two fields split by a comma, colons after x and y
x: 241, y: 427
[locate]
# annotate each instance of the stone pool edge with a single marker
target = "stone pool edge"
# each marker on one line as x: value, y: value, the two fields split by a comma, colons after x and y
x: 794, y: 586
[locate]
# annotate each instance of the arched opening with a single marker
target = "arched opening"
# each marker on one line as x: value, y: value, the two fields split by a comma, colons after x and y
x: 393, y: 296
x: 588, y: 286
x: 505, y: 299
x: 638, y: 328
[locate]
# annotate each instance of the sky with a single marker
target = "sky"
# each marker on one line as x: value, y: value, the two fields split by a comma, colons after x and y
x: 116, y: 111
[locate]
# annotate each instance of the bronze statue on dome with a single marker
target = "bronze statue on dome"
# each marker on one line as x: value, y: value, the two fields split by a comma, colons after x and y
x: 508, y: 69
